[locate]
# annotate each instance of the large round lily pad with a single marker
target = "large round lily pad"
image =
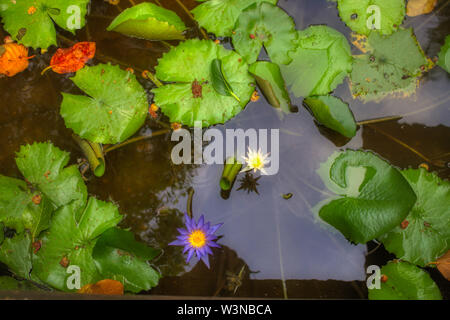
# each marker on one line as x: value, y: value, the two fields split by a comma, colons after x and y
x: 115, y: 108
x: 191, y: 96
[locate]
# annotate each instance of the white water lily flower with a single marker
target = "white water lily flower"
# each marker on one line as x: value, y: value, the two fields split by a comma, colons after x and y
x: 256, y: 160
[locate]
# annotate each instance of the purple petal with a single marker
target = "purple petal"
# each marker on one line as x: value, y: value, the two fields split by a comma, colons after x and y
x: 208, y: 250
x: 201, y: 222
x: 215, y: 245
x: 182, y: 231
x: 214, y: 228
x: 191, y: 252
x: 206, y: 260
x: 177, y: 243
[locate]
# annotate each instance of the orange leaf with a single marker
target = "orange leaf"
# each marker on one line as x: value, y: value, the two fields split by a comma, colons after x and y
x: 13, y: 58
x: 418, y: 7
x: 106, y: 286
x: 72, y: 59
x: 443, y: 265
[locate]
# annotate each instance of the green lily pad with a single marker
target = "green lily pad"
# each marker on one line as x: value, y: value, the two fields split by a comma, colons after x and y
x: 444, y: 55
x: 374, y: 196
x: 119, y: 256
x: 220, y: 16
x: 271, y: 82
x: 391, y: 66
x: 117, y: 104
x: 333, y: 113
x: 149, y: 21
x: 405, y: 281
x: 44, y: 166
x: 36, y: 29
x: 191, y: 96
x: 359, y: 15
x: 265, y: 24
x: 16, y: 254
x: 323, y: 54
x: 71, y: 240
x: 426, y: 236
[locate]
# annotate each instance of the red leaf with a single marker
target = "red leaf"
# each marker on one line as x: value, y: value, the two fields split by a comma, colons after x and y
x: 72, y: 59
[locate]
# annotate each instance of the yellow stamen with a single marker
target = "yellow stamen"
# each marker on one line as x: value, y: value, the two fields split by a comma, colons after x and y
x: 197, y: 238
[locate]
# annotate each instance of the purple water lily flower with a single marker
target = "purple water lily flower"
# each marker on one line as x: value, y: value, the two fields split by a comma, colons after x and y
x: 197, y: 238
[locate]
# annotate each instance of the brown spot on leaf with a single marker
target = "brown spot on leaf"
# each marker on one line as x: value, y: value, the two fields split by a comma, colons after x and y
x: 404, y: 224
x: 384, y: 278
x: 64, y: 262
x: 36, y: 199
x: 36, y: 246
x: 197, y: 89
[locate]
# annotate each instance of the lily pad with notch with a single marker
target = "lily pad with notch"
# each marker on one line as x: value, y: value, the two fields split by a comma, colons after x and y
x: 190, y: 96
x: 265, y: 24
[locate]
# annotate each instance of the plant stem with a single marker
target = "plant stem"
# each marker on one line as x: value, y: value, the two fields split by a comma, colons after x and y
x: 136, y: 139
x: 189, y: 202
x: 192, y: 18
x: 372, y: 121
x: 230, y: 171
x: 438, y: 163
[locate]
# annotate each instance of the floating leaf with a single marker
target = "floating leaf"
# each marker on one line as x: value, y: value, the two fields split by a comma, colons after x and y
x: 265, y: 24
x: 149, y: 21
x: 13, y: 59
x: 219, y: 81
x: 427, y: 233
x: 70, y: 241
x: 444, y: 55
x: 31, y: 22
x: 117, y: 104
x: 391, y: 65
x: 443, y: 265
x: 333, y: 113
x: 191, y: 96
x: 375, y: 197
x: 119, y: 256
x: 362, y: 15
x: 43, y: 165
x: 72, y: 59
x: 271, y: 82
x: 220, y: 16
x: 323, y: 54
x: 405, y: 281
x: 16, y: 254
x: 106, y: 286
x: 419, y: 7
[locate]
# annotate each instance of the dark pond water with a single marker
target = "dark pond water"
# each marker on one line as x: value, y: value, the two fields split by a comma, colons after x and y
x: 279, y: 244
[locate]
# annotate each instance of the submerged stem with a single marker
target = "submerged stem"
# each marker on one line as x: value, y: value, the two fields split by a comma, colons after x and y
x: 136, y: 139
x: 192, y: 18
x: 371, y: 121
x: 189, y: 202
x: 439, y: 163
